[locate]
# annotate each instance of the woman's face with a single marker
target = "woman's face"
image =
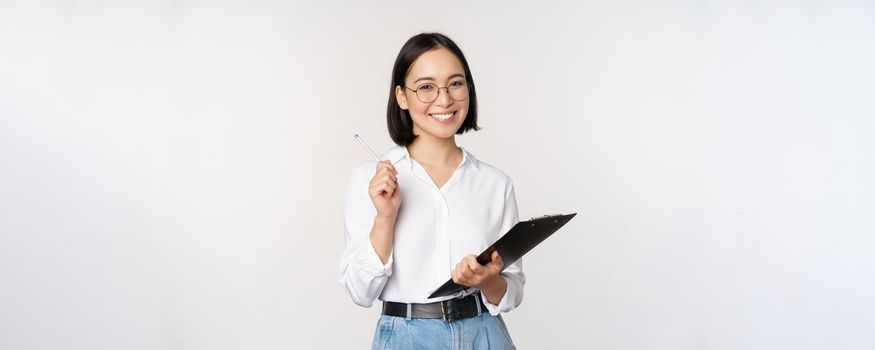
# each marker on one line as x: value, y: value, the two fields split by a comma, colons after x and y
x: 438, y: 70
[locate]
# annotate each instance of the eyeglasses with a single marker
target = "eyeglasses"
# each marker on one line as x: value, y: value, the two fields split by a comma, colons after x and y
x: 428, y: 92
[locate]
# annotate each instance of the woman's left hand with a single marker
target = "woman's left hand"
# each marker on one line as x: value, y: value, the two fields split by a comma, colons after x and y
x: 470, y: 273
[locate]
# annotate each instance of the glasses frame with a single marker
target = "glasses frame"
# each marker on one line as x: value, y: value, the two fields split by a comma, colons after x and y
x: 436, y: 96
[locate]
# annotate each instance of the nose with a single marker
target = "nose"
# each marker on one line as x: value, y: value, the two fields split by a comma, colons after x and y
x: 444, y: 99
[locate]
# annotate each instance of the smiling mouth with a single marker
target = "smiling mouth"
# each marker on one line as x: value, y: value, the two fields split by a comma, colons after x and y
x: 442, y: 117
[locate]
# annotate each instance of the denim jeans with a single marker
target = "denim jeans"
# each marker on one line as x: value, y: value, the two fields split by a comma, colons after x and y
x: 479, y: 332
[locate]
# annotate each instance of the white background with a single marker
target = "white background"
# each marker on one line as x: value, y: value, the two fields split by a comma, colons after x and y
x: 172, y: 173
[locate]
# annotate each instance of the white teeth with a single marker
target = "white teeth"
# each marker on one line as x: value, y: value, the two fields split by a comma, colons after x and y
x: 442, y: 116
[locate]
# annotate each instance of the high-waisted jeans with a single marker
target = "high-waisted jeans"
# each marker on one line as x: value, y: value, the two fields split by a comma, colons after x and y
x: 479, y: 332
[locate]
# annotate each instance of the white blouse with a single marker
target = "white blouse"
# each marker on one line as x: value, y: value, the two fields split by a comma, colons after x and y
x: 434, y: 229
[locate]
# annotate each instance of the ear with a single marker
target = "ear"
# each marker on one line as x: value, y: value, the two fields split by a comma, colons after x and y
x: 401, y: 97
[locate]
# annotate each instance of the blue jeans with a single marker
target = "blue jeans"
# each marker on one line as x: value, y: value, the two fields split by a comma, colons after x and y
x: 479, y: 332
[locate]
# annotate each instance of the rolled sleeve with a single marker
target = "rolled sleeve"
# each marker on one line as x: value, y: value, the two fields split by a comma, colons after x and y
x: 513, y: 274
x: 370, y: 263
x: 361, y: 272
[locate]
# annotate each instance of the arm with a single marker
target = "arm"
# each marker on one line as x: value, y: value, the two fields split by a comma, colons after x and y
x: 503, y: 291
x: 508, y: 298
x: 366, y: 263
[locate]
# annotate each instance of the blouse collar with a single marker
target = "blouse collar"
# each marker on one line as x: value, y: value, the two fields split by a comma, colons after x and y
x: 399, y: 153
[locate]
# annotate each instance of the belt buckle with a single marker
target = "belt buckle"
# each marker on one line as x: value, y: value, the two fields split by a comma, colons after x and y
x: 451, y: 315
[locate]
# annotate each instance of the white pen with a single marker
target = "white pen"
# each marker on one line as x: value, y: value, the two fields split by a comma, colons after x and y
x: 359, y: 139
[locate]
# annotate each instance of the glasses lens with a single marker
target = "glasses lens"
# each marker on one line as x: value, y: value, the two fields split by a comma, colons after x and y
x: 427, y: 94
x: 458, y: 92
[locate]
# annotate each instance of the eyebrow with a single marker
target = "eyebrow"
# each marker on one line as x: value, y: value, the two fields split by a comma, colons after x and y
x: 430, y: 78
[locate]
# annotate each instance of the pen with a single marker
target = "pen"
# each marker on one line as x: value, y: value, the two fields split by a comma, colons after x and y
x: 359, y: 139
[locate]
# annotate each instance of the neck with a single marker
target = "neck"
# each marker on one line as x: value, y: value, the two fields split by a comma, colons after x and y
x: 434, y: 151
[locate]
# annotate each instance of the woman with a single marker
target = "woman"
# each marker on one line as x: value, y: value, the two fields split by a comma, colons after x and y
x: 419, y: 215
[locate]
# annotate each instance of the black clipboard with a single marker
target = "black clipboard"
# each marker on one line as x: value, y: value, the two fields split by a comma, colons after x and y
x: 521, y: 238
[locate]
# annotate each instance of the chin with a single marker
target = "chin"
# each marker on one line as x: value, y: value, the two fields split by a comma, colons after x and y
x: 436, y: 134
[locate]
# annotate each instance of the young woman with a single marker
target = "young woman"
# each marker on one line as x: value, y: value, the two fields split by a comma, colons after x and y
x: 419, y: 215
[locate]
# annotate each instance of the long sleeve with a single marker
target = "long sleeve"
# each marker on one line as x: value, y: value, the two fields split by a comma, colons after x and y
x: 361, y: 271
x: 514, y: 273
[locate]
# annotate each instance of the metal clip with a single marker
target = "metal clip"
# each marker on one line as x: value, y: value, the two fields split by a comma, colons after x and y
x: 545, y: 216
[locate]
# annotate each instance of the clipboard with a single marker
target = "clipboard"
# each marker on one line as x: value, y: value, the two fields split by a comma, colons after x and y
x: 521, y: 238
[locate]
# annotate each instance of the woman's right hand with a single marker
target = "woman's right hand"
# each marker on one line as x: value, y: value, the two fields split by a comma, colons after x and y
x: 383, y: 190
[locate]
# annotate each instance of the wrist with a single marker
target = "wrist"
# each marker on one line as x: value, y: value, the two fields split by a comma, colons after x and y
x: 495, y: 289
x: 386, y: 219
x: 493, y: 284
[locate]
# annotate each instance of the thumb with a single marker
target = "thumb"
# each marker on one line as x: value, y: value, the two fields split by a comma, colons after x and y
x: 496, y: 262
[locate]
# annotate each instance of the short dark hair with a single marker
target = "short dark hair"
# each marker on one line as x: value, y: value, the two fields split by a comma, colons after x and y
x: 399, y: 122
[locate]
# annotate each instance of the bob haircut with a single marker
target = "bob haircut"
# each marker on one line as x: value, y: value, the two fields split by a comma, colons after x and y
x: 399, y: 121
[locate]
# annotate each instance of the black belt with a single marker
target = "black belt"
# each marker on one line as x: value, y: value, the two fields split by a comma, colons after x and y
x: 448, y: 310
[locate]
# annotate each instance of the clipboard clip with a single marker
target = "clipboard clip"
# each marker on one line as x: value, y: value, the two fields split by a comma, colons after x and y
x: 545, y: 216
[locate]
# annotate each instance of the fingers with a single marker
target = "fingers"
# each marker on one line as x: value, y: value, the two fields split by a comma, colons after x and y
x: 388, y: 187
x: 463, y: 275
x: 472, y: 264
x: 468, y: 272
x: 467, y: 275
x: 386, y: 166
x: 385, y: 180
x: 386, y: 173
x: 377, y: 188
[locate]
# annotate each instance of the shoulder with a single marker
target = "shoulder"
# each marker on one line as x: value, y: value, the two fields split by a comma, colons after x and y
x: 489, y: 171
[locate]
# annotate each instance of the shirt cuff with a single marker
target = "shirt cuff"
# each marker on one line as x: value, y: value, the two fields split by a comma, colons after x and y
x: 370, y: 261
x: 503, y: 306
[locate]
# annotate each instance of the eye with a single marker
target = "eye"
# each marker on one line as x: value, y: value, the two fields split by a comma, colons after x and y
x: 457, y: 83
x: 425, y: 87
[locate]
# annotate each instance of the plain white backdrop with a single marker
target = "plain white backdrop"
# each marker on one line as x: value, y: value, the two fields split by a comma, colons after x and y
x: 172, y: 173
